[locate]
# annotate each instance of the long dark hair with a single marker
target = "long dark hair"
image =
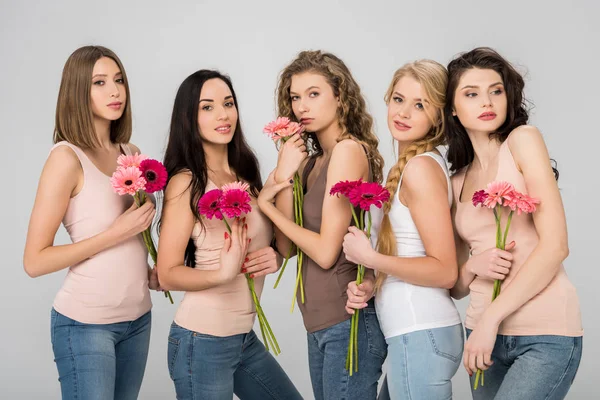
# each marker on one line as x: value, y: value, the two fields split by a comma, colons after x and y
x: 460, y: 149
x: 185, y: 151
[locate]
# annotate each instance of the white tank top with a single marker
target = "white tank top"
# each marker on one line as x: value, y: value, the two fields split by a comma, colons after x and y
x: 402, y: 307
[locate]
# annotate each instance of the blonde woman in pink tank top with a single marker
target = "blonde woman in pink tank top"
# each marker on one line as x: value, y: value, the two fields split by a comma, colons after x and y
x: 212, y: 350
x: 529, y: 340
x: 100, y: 320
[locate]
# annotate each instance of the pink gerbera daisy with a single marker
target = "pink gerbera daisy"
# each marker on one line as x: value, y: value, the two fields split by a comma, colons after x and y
x: 274, y: 128
x: 127, y: 180
x: 155, y: 174
x: 291, y: 129
x: 209, y: 204
x: 522, y: 203
x: 479, y: 197
x: 235, y: 186
x: 368, y: 194
x: 344, y: 187
x: 498, y: 191
x: 131, y: 160
x: 235, y: 202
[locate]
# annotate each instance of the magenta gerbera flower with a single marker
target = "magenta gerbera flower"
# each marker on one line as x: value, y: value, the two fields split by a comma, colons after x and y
x: 209, y: 204
x: 235, y: 202
x: 368, y: 194
x: 130, y: 160
x: 344, y: 187
x: 479, y: 197
x: 155, y: 174
x: 127, y: 180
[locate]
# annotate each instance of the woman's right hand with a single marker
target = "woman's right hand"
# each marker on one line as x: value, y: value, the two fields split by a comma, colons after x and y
x: 134, y: 220
x: 291, y: 155
x: 493, y: 263
x: 234, y: 250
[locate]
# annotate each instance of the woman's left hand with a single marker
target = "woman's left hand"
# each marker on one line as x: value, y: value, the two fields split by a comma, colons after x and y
x: 479, y: 346
x: 357, y: 246
x: 261, y: 262
x: 153, y: 283
x: 271, y: 188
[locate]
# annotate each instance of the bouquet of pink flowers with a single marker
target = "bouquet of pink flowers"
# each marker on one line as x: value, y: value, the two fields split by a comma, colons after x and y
x: 362, y: 195
x: 137, y: 175
x: 231, y: 201
x: 280, y: 131
x: 497, y: 196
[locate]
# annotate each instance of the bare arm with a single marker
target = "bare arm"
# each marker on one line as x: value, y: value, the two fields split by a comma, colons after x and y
x: 425, y: 191
x: 177, y: 224
x: 531, y: 156
x: 58, y: 182
x: 348, y: 162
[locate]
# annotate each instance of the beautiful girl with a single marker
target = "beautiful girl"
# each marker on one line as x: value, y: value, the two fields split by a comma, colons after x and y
x: 100, y: 321
x: 415, y: 255
x: 529, y: 340
x: 318, y: 90
x: 213, y: 351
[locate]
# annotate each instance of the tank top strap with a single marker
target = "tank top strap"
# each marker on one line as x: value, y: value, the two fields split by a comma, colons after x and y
x: 440, y: 160
x: 506, y: 160
x: 125, y: 148
x: 85, y: 162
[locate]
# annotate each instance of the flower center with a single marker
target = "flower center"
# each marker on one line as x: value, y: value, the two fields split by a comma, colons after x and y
x: 368, y: 196
x: 150, y: 176
x: 214, y: 204
x: 129, y: 182
x: 236, y: 204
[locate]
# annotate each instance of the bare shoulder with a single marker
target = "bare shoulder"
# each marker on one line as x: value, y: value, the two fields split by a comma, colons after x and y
x: 524, y: 135
x: 134, y: 149
x: 348, y: 148
x: 178, y: 184
x: 64, y: 160
x: 422, y: 174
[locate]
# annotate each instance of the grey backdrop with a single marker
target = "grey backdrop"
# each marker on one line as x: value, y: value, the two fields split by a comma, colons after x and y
x: 161, y: 43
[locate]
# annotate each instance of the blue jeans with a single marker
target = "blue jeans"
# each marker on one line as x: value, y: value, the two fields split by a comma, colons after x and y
x: 327, y: 351
x: 421, y: 364
x: 530, y: 367
x: 214, y: 368
x: 100, y: 361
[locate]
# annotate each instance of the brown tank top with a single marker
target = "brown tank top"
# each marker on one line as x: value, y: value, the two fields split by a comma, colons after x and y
x: 324, y: 289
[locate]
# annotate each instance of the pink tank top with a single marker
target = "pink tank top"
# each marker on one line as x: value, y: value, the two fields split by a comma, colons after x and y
x: 228, y: 309
x: 553, y: 311
x: 111, y: 286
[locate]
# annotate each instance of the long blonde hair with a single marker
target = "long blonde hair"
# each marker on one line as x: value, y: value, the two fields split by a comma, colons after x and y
x: 433, y: 78
x: 355, y: 122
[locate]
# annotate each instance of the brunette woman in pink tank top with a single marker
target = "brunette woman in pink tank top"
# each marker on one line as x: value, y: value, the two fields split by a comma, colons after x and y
x: 529, y: 339
x: 100, y: 321
x: 213, y: 351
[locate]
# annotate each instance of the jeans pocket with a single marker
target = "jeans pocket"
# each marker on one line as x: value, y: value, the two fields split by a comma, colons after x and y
x: 172, y: 350
x: 375, y: 339
x: 447, y: 342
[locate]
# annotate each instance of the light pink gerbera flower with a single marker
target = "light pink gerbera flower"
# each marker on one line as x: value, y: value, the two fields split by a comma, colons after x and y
x: 274, y: 128
x: 498, y: 191
x: 235, y: 186
x: 522, y: 203
x: 127, y: 180
x: 130, y: 160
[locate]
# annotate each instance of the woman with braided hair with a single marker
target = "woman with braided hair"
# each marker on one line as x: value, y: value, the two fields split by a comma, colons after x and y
x: 415, y: 257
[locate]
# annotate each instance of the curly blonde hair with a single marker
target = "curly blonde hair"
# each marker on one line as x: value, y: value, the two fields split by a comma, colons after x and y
x: 355, y: 122
x: 433, y: 78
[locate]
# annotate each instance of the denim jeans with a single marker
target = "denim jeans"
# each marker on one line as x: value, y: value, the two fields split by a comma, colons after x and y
x: 530, y: 367
x: 214, y: 368
x: 421, y: 364
x: 327, y: 351
x: 100, y: 361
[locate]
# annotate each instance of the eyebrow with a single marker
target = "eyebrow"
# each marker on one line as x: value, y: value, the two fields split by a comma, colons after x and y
x: 312, y: 87
x: 477, y: 87
x: 415, y: 99
x: 104, y: 75
x: 226, y: 98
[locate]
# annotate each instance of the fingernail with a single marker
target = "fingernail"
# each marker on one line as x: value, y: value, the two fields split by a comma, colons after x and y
x: 251, y: 275
x: 244, y: 270
x: 226, y: 235
x: 291, y: 181
x: 244, y: 220
x: 245, y: 226
x: 249, y: 240
x: 246, y: 260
